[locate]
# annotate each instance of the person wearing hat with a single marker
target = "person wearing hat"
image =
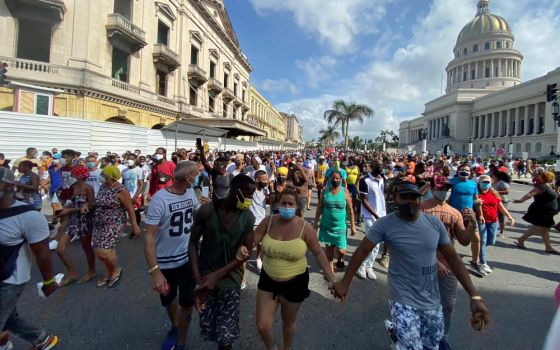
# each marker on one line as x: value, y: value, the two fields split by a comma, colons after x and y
x: 454, y: 222
x: 320, y: 175
x: 415, y: 238
x: 112, y: 204
x: 21, y: 225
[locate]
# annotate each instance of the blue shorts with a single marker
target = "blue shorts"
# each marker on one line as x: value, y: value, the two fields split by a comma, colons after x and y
x: 353, y: 191
x: 417, y: 329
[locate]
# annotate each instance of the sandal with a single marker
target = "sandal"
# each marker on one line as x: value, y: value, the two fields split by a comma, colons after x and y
x: 115, y: 280
x: 520, y: 246
x: 102, y: 282
x: 86, y: 278
x: 67, y: 281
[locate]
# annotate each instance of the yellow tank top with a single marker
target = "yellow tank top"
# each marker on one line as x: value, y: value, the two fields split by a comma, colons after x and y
x: 353, y: 175
x: 283, y: 260
x: 321, y: 171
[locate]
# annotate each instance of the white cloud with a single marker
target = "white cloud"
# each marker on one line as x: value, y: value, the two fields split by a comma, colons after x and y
x: 280, y: 85
x: 316, y: 69
x: 334, y: 22
x: 402, y: 81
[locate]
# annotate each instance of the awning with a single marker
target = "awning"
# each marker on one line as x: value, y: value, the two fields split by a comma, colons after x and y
x: 233, y: 127
x: 186, y: 127
x: 271, y: 142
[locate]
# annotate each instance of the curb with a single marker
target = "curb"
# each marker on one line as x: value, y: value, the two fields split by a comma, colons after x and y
x: 522, y: 182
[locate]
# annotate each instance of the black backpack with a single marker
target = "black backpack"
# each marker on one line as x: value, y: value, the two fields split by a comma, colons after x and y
x: 9, y: 254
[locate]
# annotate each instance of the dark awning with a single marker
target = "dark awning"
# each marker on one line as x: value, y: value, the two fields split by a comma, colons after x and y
x: 233, y: 127
x: 186, y: 127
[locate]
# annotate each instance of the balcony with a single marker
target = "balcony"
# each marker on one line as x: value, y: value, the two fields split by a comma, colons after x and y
x: 197, y: 75
x: 51, y: 11
x: 245, y: 106
x: 214, y: 86
x: 227, y: 95
x: 165, y: 58
x: 237, y: 102
x: 124, y: 35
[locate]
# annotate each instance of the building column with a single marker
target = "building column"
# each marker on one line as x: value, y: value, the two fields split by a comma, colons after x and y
x: 492, y: 68
x: 500, y: 68
x: 473, y: 127
x: 517, y: 121
x: 527, y: 121
x: 489, y: 125
x: 479, y: 126
x: 508, y: 123
x: 484, y: 69
x: 537, y: 120
x: 493, y: 125
x: 438, y: 134
x: 500, y: 123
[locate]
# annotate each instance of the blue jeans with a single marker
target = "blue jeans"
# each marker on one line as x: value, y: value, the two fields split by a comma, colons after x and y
x: 10, y: 319
x: 488, y: 232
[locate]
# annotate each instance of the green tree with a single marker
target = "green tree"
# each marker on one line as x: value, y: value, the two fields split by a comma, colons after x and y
x: 356, y: 143
x: 386, y: 136
x: 342, y: 113
x: 328, y: 135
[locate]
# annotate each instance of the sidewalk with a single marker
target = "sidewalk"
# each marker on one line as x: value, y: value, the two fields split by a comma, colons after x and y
x: 522, y: 180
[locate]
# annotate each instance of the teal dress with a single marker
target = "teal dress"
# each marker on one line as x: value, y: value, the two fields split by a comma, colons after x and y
x: 332, y: 230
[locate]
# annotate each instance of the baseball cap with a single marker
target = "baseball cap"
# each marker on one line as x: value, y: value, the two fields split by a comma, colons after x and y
x: 407, y: 188
x: 6, y: 176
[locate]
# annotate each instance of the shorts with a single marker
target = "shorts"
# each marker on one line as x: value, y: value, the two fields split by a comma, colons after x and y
x: 219, y: 321
x: 295, y: 290
x: 353, y: 191
x: 417, y: 329
x: 302, y: 202
x: 319, y: 186
x: 180, y: 278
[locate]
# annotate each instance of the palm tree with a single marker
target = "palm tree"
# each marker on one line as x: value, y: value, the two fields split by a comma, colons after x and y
x: 328, y: 135
x: 343, y: 113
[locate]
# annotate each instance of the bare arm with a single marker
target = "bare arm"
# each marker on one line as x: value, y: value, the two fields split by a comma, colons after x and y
x: 350, y: 209
x: 363, y: 250
x: 310, y: 238
x: 197, y: 229
x: 506, y: 213
x: 126, y: 202
x: 464, y: 233
x: 535, y: 191
x: 139, y: 189
x: 458, y: 268
x: 367, y: 205
x: 319, y: 211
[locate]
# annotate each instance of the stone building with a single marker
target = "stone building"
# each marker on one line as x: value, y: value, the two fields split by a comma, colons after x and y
x: 263, y: 115
x: 140, y: 62
x: 485, y: 101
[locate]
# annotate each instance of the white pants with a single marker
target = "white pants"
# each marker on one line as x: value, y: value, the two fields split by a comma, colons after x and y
x: 370, y: 260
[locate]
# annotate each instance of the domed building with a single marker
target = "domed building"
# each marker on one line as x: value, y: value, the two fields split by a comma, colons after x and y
x: 486, y: 103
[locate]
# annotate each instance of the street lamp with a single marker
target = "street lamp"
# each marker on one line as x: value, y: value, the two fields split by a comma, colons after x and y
x: 470, y: 147
x: 555, y: 109
x: 493, y: 149
x: 510, y: 148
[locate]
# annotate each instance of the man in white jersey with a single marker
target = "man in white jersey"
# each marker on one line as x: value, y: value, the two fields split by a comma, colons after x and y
x: 95, y: 180
x: 169, y: 220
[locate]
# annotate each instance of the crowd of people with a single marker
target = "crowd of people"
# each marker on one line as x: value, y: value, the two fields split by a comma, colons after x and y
x: 207, y: 213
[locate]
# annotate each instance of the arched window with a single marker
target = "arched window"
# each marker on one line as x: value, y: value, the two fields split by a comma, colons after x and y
x: 498, y: 44
x: 120, y: 120
x: 465, y: 50
x: 158, y: 126
x: 486, y: 46
x: 527, y: 147
x: 507, y: 44
x: 538, y: 147
x: 475, y: 48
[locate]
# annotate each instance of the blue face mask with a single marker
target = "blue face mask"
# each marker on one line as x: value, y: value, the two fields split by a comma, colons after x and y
x: 485, y: 186
x: 287, y: 213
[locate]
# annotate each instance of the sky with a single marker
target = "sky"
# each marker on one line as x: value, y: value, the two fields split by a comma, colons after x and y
x: 387, y: 54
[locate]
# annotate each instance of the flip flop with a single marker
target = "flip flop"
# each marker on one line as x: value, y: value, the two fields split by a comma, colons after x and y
x: 115, y: 281
x: 67, y: 281
x: 102, y: 282
x: 86, y: 278
x: 520, y: 246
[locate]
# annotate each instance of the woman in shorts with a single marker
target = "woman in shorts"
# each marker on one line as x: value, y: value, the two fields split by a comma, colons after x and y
x: 284, y: 279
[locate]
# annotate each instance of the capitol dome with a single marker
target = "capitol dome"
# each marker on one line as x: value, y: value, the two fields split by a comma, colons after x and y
x: 482, y: 24
x: 484, y: 56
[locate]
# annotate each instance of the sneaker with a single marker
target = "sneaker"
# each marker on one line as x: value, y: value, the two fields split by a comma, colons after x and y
x: 477, y: 270
x: 243, y: 285
x: 392, y: 332
x: 362, y: 273
x: 259, y: 264
x: 501, y: 235
x: 384, y: 261
x: 53, y: 244
x: 371, y: 274
x: 486, y: 268
x: 49, y: 343
x: 7, y: 346
x: 170, y: 339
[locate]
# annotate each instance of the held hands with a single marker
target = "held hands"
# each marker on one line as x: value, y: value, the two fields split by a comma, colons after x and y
x: 511, y: 221
x: 338, y: 290
x: 480, y: 316
x: 159, y: 283
x: 204, y: 200
x: 136, y: 230
x: 64, y: 212
x: 242, y: 253
x: 84, y: 209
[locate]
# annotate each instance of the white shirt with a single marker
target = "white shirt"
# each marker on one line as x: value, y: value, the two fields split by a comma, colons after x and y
x: 173, y: 214
x: 258, y: 207
x: 375, y: 195
x: 95, y: 180
x: 30, y: 226
x: 130, y: 179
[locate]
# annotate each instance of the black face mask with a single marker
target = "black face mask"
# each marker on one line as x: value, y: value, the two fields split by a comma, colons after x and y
x: 377, y: 170
x: 408, y: 211
x: 281, y: 179
x: 335, y: 184
x: 261, y: 184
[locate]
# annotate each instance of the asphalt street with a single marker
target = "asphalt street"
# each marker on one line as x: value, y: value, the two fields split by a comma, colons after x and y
x: 519, y: 294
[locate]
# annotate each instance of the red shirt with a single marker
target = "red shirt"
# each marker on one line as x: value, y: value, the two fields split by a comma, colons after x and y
x: 490, y: 206
x: 166, y: 168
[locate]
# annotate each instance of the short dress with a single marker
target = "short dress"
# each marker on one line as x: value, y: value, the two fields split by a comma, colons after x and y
x: 332, y: 230
x: 79, y: 224
x: 109, y: 218
x: 541, y: 212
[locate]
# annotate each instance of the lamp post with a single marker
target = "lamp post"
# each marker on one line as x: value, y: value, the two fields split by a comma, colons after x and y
x: 493, y: 150
x: 470, y: 147
x: 510, y: 149
x: 424, y: 136
x: 555, y: 108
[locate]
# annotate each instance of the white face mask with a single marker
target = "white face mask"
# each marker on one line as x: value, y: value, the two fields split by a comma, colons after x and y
x: 441, y: 195
x: 159, y: 157
x: 130, y: 162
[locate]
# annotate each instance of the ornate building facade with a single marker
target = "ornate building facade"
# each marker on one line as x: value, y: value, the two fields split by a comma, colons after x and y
x: 140, y: 62
x: 263, y: 115
x: 485, y: 101
x: 294, y: 132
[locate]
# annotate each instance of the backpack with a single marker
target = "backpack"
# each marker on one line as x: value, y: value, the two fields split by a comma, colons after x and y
x: 9, y: 254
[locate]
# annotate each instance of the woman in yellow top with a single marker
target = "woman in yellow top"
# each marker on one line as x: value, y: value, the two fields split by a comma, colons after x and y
x: 284, y: 279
